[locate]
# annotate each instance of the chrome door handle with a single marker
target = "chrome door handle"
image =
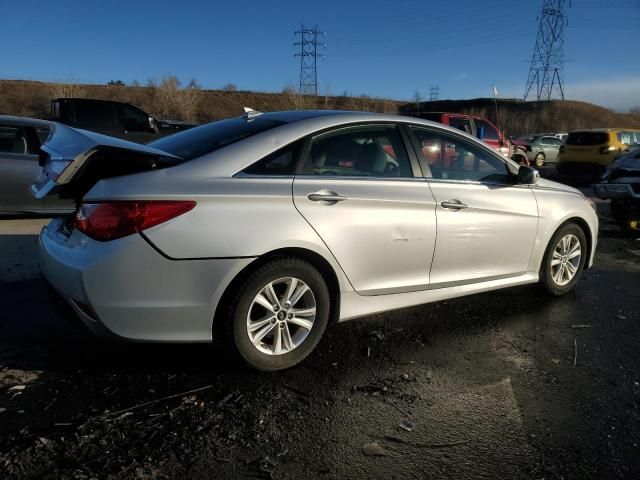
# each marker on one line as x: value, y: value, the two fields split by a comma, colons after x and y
x: 454, y: 204
x: 326, y: 196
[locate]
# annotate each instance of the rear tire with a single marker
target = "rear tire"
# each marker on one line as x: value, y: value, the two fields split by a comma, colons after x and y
x: 298, y: 319
x: 539, y: 160
x: 564, y: 259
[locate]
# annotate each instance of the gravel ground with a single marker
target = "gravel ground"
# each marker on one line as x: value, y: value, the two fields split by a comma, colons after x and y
x: 510, y: 384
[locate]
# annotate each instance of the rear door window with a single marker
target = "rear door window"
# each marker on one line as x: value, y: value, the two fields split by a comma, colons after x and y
x: 372, y: 151
x: 13, y: 140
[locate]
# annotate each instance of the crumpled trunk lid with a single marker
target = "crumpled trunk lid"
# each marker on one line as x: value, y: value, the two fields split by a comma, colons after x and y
x: 74, y: 160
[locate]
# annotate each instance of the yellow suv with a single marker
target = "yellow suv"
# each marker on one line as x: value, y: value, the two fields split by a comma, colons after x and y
x: 591, y: 151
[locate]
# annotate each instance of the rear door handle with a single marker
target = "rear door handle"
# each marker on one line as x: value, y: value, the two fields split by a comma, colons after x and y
x: 454, y: 204
x: 327, y: 197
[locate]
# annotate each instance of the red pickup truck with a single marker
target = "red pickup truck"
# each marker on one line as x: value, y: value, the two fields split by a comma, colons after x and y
x: 477, y: 126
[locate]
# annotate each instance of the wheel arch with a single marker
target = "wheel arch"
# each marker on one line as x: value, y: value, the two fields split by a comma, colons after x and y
x: 314, y: 258
x: 584, y: 226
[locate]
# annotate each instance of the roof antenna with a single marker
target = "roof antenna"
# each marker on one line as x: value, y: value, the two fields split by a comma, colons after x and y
x: 250, y: 113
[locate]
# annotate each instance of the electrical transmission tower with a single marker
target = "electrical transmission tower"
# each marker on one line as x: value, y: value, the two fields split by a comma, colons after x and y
x: 309, y: 58
x: 547, y: 62
x: 434, y: 91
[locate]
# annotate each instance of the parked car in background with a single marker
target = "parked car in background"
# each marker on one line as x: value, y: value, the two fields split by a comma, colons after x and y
x: 116, y: 119
x: 562, y: 136
x: 20, y: 140
x: 278, y: 224
x: 473, y: 125
x: 589, y: 152
x: 542, y: 149
x: 621, y: 184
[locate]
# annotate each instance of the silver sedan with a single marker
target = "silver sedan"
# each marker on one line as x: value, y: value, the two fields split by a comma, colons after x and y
x: 262, y: 230
x: 20, y: 140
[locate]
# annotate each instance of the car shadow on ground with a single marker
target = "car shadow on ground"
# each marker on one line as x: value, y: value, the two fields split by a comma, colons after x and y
x: 39, y: 331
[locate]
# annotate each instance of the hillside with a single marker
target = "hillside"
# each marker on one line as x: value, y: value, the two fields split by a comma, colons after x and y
x: 166, y: 99
x: 516, y: 117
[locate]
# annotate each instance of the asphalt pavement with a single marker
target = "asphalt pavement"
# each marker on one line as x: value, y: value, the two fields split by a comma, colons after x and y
x: 509, y: 384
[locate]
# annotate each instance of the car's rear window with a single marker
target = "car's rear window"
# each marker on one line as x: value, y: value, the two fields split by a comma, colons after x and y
x: 587, y: 138
x: 198, y: 141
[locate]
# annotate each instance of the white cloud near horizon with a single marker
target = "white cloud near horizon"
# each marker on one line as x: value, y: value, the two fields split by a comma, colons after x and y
x: 620, y: 94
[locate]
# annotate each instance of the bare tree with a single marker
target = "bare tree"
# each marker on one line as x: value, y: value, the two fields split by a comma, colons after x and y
x: 189, y: 99
x: 230, y: 87
x: 67, y: 90
x: 296, y: 100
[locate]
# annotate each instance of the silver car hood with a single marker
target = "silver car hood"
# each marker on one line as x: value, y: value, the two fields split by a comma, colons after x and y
x: 68, y: 152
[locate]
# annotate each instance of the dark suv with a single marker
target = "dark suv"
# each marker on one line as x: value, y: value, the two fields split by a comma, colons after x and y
x: 116, y: 119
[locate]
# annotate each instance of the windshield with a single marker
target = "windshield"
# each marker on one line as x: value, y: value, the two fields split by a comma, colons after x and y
x: 198, y: 141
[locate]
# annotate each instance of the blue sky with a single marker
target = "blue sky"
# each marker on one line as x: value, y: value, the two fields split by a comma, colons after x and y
x: 385, y: 48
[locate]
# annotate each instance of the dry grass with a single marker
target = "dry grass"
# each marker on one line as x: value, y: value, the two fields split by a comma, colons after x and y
x: 165, y: 98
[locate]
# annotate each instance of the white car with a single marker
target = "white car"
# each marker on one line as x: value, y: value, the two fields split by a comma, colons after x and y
x: 263, y: 229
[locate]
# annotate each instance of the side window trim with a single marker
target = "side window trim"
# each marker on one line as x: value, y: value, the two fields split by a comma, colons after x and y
x: 425, y: 167
x: 299, y: 148
x: 399, y: 126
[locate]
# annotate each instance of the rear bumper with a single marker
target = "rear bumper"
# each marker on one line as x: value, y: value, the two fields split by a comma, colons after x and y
x: 615, y: 191
x: 135, y: 292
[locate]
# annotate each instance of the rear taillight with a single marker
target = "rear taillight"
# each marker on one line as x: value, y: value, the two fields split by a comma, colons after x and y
x: 605, y: 150
x: 110, y: 220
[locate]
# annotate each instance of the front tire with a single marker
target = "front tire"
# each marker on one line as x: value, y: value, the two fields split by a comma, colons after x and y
x: 279, y: 314
x: 564, y: 259
x: 539, y: 160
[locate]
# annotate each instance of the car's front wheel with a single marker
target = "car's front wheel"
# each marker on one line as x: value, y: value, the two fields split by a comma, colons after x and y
x: 564, y: 259
x: 539, y: 160
x: 279, y: 314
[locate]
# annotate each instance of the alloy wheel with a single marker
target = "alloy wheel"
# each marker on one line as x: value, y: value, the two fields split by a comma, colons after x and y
x: 281, y: 316
x: 539, y: 161
x: 565, y: 260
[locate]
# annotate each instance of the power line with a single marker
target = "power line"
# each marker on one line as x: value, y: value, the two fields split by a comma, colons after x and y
x: 309, y: 58
x: 547, y: 63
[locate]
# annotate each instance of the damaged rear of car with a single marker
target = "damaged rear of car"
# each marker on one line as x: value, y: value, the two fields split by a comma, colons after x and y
x: 621, y: 184
x: 73, y: 161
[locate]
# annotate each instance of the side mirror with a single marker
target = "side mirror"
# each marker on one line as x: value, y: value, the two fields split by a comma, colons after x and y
x: 528, y: 175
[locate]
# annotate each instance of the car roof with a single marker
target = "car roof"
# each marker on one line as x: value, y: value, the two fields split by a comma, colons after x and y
x: 24, y: 121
